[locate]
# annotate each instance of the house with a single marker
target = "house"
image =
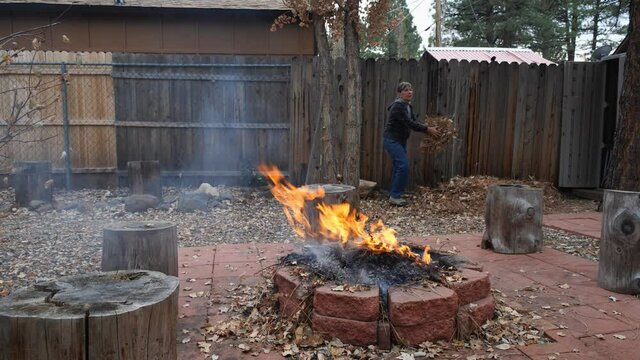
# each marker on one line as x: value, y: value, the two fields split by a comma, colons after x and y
x: 158, y: 26
x: 509, y: 55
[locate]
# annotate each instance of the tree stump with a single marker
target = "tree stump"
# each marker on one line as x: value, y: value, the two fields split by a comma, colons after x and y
x: 334, y: 194
x: 619, y: 264
x: 513, y: 219
x: 115, y: 315
x: 32, y: 181
x: 144, y: 178
x: 135, y: 245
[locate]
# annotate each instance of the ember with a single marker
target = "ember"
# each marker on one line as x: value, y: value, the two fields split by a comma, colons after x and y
x: 336, y: 222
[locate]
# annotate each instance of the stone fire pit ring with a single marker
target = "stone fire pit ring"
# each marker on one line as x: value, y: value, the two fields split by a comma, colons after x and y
x: 415, y: 313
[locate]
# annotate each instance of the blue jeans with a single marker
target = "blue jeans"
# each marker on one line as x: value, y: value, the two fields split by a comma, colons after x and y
x: 398, y: 153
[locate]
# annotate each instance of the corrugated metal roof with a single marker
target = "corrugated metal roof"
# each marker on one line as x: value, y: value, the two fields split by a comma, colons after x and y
x: 193, y: 4
x: 509, y: 55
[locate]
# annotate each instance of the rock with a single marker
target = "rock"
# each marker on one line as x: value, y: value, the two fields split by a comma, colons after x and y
x: 79, y: 206
x: 365, y: 187
x: 35, y: 204
x: 191, y: 201
x: 140, y: 203
x: 208, y: 189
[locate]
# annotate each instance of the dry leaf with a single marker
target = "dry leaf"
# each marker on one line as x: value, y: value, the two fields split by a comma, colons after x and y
x: 620, y: 337
x: 204, y: 347
x: 186, y: 340
x: 338, y: 288
x: 599, y: 336
x: 561, y: 334
x: 503, y: 346
x: 565, y: 286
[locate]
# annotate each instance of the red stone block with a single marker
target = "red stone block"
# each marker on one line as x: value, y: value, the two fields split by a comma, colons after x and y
x: 358, y: 305
x: 471, y: 316
x: 290, y: 285
x: 384, y: 335
x: 410, y: 306
x: 348, y: 331
x: 428, y: 331
x: 288, y: 306
x: 475, y: 286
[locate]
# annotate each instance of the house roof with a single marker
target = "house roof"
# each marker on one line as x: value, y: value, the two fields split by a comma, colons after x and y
x: 187, y: 4
x: 509, y: 55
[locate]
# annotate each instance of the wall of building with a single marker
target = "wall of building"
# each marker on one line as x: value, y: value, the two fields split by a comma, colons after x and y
x: 135, y: 30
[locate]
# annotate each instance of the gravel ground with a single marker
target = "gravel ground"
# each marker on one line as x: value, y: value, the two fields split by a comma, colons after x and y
x: 37, y: 245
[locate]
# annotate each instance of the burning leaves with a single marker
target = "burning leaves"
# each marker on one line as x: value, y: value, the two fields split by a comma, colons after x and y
x: 336, y: 222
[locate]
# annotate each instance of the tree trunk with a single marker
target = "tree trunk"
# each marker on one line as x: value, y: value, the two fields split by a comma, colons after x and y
x: 351, y: 169
x: 623, y: 172
x: 322, y: 162
x: 140, y: 245
x: 596, y: 23
x: 334, y: 194
x: 115, y: 315
x: 619, y: 264
x: 513, y: 219
x: 144, y: 178
x: 32, y: 181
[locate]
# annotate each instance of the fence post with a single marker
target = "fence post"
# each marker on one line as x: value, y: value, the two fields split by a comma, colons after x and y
x: 65, y: 122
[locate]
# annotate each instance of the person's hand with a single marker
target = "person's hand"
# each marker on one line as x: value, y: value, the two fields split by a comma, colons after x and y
x: 433, y: 131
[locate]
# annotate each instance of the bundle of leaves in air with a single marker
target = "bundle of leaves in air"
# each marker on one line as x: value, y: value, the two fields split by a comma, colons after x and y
x: 448, y: 132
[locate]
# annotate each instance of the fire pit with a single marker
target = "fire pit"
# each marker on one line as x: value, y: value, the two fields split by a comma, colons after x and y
x: 370, y: 300
x: 359, y: 284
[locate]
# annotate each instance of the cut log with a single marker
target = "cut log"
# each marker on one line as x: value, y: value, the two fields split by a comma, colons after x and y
x: 619, y: 264
x: 135, y: 245
x: 334, y: 194
x: 144, y: 178
x: 115, y: 315
x: 32, y: 181
x: 513, y: 219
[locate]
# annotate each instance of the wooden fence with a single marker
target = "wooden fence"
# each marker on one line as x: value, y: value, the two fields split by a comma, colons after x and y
x: 219, y: 116
x: 90, y: 109
x: 507, y: 116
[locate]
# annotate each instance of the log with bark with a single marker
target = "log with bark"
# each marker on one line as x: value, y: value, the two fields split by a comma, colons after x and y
x: 513, y: 219
x: 619, y: 259
x: 334, y: 194
x: 32, y: 181
x: 144, y: 178
x: 113, y: 315
x: 151, y: 245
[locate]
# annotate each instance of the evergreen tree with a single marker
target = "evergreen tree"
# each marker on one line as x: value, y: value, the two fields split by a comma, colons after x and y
x: 550, y: 27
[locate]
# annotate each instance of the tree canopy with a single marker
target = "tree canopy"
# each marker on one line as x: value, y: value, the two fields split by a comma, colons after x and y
x: 550, y: 27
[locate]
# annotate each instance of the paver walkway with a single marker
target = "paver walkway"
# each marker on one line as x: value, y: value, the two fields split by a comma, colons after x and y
x: 561, y: 288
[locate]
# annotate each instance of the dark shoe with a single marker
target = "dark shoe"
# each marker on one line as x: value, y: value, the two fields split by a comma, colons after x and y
x: 397, y: 201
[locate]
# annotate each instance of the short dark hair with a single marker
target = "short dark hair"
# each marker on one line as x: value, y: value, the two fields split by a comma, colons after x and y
x: 403, y: 86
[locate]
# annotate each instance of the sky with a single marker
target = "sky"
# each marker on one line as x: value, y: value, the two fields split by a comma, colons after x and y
x: 422, y: 17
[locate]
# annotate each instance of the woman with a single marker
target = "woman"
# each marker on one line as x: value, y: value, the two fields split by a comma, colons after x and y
x: 399, y: 124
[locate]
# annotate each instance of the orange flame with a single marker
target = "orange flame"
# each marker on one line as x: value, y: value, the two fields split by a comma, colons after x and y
x: 335, y: 222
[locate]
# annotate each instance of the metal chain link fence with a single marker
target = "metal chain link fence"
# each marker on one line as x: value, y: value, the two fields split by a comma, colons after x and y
x: 57, y: 112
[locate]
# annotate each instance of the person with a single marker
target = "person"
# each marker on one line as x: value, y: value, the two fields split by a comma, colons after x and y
x: 400, y: 122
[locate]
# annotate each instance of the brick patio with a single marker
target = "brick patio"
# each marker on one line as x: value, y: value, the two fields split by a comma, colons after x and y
x: 590, y: 311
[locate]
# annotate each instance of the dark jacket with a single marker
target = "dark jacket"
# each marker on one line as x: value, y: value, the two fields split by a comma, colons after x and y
x: 401, y: 120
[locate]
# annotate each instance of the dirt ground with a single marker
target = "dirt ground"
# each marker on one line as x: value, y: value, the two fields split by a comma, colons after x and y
x: 56, y: 242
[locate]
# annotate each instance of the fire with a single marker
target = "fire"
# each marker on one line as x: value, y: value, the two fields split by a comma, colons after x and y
x: 336, y: 222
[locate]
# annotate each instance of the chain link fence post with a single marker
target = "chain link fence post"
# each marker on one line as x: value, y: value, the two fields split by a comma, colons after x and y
x: 65, y: 123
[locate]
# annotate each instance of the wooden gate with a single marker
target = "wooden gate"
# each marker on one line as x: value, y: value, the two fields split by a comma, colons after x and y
x: 582, y: 122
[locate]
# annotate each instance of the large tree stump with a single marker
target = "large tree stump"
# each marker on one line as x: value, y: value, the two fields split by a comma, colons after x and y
x: 151, y: 245
x: 619, y: 264
x: 144, y: 178
x: 334, y: 194
x: 513, y: 219
x: 32, y: 181
x: 115, y: 315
